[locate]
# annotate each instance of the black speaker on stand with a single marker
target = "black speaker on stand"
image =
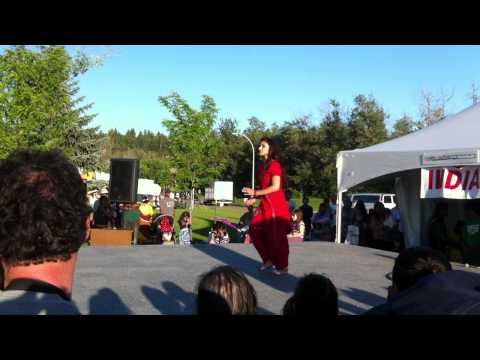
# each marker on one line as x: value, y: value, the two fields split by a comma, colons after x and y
x: 124, y: 180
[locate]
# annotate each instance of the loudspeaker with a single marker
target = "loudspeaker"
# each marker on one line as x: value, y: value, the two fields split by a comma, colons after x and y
x: 124, y: 180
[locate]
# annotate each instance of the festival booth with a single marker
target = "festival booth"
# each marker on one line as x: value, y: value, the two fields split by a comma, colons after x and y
x: 438, y: 163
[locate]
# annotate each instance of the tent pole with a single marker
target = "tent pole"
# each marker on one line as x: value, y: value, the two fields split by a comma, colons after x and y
x: 338, y: 230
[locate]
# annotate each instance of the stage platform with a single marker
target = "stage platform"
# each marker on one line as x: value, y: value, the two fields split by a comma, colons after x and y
x: 155, y: 279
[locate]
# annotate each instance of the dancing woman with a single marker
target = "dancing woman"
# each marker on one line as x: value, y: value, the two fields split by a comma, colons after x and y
x: 271, y: 221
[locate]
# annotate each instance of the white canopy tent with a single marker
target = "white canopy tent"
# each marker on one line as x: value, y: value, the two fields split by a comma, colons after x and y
x: 453, y: 141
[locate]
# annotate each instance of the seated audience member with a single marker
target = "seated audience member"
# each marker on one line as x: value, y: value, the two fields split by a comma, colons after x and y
x: 347, y: 216
x: 411, y: 265
x: 225, y: 291
x: 360, y: 219
x: 321, y: 224
x: 39, y: 243
x: 322, y: 217
x: 315, y: 295
x: 145, y: 220
x: 298, y: 226
x: 218, y: 234
x: 376, y: 228
x: 307, y: 212
x: 103, y: 216
x: 185, y: 223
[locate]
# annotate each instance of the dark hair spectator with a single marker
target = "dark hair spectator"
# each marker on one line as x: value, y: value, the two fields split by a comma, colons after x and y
x: 411, y: 266
x: 43, y: 210
x: 44, y: 219
x: 225, y: 291
x: 414, y: 263
x: 315, y: 295
x: 103, y: 216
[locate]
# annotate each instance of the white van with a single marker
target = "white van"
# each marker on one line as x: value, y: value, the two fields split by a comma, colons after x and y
x: 369, y: 199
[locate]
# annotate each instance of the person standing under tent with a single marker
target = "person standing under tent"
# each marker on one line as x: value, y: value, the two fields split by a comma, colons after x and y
x: 271, y: 221
x: 307, y: 212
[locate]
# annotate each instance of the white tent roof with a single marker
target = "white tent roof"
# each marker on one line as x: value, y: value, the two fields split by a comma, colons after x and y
x: 457, y: 136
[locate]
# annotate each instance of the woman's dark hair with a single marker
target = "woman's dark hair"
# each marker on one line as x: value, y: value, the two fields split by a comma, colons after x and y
x: 412, y: 264
x: 315, y: 295
x: 273, y: 151
x: 43, y: 207
x: 226, y: 291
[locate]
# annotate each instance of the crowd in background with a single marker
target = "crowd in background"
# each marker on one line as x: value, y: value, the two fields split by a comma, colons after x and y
x: 379, y: 228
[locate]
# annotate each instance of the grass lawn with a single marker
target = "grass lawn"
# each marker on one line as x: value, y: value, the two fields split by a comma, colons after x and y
x: 202, y: 220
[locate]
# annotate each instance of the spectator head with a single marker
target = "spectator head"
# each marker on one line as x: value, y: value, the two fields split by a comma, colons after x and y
x: 315, y: 295
x: 104, y: 201
x: 347, y: 202
x: 412, y: 264
x: 379, y: 207
x: 322, y: 207
x: 298, y: 215
x: 219, y: 228
x: 360, y: 205
x: 44, y: 215
x: 225, y: 291
x: 185, y: 215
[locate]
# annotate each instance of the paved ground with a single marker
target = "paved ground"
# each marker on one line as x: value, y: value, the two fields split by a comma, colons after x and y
x: 161, y: 280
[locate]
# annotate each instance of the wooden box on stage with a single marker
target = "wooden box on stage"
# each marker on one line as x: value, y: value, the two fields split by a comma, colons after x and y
x: 110, y: 237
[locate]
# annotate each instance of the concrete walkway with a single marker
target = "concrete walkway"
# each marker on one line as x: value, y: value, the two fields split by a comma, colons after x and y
x: 161, y: 280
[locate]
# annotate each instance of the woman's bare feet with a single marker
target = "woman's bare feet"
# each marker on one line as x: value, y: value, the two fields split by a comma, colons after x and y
x: 281, y: 272
x: 266, y: 266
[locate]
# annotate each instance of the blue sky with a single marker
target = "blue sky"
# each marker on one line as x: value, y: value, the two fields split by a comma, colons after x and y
x: 273, y: 83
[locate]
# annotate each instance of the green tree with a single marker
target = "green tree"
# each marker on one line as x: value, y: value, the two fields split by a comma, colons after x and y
x: 367, y: 123
x: 193, y: 142
x: 231, y: 145
x: 333, y: 137
x: 297, y: 140
x: 403, y: 126
x: 40, y: 107
x: 158, y: 170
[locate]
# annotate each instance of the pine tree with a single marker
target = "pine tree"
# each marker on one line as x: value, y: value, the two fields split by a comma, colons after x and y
x: 40, y: 106
x: 367, y: 123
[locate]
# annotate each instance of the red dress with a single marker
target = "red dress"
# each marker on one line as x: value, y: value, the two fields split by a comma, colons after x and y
x: 271, y: 221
